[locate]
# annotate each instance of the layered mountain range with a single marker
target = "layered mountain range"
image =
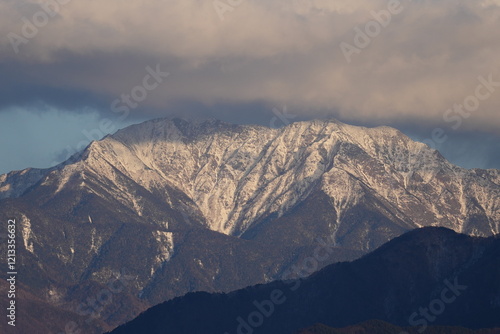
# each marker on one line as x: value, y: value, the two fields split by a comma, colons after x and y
x: 176, y: 206
x: 430, y: 276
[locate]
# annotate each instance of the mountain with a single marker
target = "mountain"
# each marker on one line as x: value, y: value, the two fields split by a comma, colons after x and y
x: 380, y: 327
x: 168, y: 207
x: 430, y: 276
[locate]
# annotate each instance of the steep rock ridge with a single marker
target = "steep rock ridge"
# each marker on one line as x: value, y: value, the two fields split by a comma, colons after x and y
x: 239, y: 174
x: 188, y: 206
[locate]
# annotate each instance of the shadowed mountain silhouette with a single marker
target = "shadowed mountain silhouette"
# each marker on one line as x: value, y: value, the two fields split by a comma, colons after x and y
x: 381, y: 327
x: 429, y: 276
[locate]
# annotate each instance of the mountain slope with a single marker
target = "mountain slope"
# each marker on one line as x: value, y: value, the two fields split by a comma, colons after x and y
x: 237, y: 175
x: 380, y: 327
x: 430, y: 276
x: 209, y: 206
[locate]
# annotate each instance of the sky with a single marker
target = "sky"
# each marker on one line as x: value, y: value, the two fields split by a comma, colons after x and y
x: 72, y: 71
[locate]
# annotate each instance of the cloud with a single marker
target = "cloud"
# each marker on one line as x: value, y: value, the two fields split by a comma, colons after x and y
x: 267, y: 52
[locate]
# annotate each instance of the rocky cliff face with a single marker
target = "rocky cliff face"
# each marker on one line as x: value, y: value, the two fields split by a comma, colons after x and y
x: 236, y: 175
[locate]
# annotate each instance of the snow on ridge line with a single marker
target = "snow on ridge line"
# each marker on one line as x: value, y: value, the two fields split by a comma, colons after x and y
x: 238, y: 174
x: 224, y: 194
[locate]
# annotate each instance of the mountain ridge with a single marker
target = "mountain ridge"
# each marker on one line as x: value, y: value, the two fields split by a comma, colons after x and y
x: 212, y: 206
x: 143, y: 146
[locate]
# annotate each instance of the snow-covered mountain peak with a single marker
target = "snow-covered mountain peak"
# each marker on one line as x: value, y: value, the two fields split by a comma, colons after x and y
x: 213, y: 206
x: 237, y: 175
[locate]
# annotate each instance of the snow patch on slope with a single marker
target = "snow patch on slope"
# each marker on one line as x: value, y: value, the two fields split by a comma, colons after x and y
x: 27, y: 234
x: 345, y: 192
x: 165, y: 244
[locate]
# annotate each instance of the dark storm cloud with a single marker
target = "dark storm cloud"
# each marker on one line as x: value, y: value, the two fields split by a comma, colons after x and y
x: 428, y: 57
x: 74, y: 81
x: 242, y: 63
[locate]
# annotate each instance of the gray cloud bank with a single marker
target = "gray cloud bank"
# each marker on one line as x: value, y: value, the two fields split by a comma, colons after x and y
x: 405, y: 62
